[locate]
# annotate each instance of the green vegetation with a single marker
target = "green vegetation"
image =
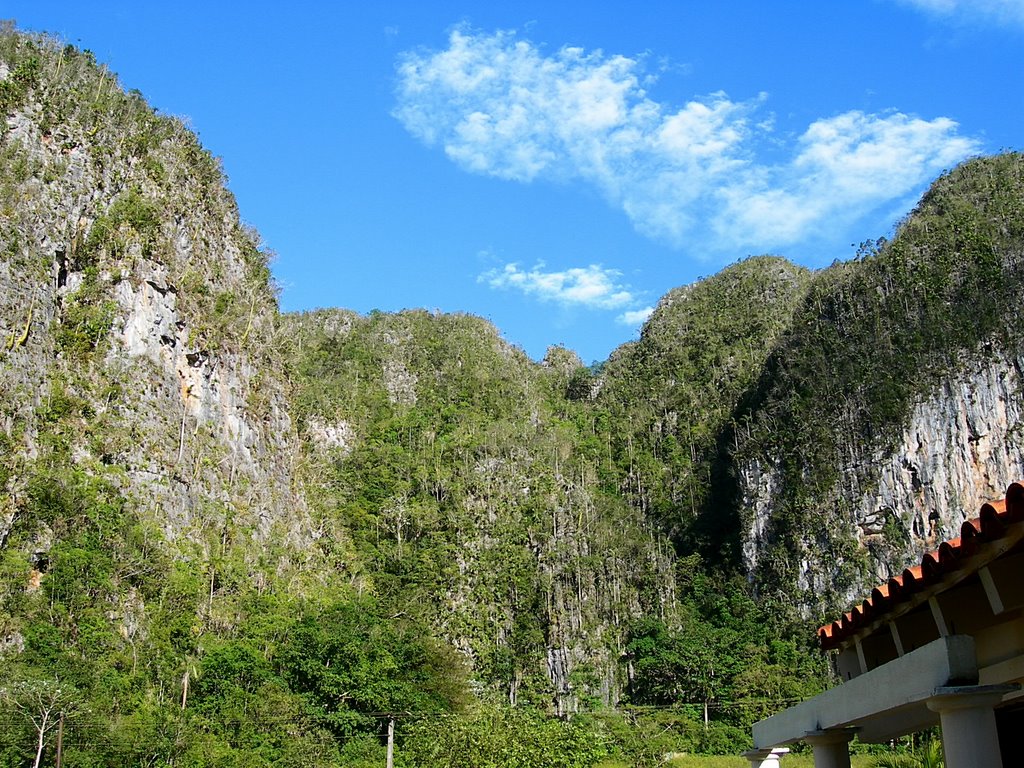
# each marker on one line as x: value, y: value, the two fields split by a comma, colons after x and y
x: 504, y: 738
x: 726, y: 654
x: 231, y: 537
x: 483, y: 492
x: 790, y: 761
x: 87, y: 317
x: 669, y: 399
x: 927, y: 755
x: 23, y: 76
x: 871, y: 338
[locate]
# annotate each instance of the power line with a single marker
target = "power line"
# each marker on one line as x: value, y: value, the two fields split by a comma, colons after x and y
x: 195, y: 718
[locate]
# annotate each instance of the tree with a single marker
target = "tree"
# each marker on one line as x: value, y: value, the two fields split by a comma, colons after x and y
x: 44, y: 704
x: 507, y: 738
x: 353, y: 666
x: 673, y: 666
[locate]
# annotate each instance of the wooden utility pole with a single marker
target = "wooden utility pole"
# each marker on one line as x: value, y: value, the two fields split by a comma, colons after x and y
x: 60, y: 740
x: 391, y: 741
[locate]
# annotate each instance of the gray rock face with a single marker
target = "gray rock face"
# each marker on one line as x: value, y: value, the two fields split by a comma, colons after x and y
x: 129, y: 288
x: 960, y: 448
x: 207, y: 391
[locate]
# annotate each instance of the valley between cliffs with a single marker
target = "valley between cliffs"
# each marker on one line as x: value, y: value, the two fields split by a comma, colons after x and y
x: 234, y: 532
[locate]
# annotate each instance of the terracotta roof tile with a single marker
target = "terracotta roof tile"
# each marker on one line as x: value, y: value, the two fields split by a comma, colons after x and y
x: 990, y: 525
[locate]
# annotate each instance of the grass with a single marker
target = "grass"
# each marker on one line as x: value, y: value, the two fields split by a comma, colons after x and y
x: 788, y: 761
x: 708, y: 761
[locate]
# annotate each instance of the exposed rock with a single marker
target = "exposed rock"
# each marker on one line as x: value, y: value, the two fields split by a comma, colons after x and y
x: 959, y: 449
x: 11, y: 643
x: 325, y: 436
x: 399, y: 382
x: 130, y: 292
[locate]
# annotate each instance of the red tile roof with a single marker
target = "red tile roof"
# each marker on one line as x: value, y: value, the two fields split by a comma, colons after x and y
x: 990, y: 525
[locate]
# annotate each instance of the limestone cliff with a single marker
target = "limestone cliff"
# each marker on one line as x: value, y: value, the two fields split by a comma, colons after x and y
x: 892, y: 408
x: 172, y: 447
x: 137, y: 317
x: 960, y: 448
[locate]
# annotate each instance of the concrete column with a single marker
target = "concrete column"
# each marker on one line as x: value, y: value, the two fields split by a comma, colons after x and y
x: 831, y: 747
x: 968, y: 719
x: 765, y: 758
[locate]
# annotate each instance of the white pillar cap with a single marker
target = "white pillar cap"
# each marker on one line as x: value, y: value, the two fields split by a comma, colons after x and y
x: 952, y: 697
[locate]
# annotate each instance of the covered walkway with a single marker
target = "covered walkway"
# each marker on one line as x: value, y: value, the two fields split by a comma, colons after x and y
x: 941, y: 644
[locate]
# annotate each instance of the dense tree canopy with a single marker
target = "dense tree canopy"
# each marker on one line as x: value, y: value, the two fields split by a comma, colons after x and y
x: 522, y: 563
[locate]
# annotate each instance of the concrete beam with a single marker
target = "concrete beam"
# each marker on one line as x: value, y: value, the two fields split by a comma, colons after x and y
x: 995, y: 600
x: 896, y: 639
x: 886, y: 702
x: 860, y: 656
x: 940, y: 620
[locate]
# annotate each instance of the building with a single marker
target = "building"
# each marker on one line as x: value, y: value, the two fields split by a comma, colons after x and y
x: 940, y: 644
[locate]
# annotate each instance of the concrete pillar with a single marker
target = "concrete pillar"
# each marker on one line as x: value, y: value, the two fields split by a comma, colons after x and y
x: 831, y: 747
x: 968, y: 719
x: 765, y: 758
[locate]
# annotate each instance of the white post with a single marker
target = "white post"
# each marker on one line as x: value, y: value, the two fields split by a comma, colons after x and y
x: 765, y: 758
x: 831, y: 747
x: 391, y: 742
x: 968, y: 719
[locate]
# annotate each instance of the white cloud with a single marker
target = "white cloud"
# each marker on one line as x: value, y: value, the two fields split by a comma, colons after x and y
x: 593, y: 287
x: 1000, y: 11
x: 635, y: 317
x: 844, y: 166
x: 503, y: 107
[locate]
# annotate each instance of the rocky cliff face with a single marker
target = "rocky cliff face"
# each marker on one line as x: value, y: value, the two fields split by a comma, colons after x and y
x: 137, y: 316
x: 892, y: 408
x: 143, y: 372
x: 959, y: 449
x: 815, y: 430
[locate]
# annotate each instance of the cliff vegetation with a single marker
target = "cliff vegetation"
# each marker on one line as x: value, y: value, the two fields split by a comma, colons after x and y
x: 230, y: 536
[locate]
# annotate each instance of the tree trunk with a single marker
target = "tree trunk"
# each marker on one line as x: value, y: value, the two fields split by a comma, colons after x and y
x: 42, y: 740
x: 184, y: 688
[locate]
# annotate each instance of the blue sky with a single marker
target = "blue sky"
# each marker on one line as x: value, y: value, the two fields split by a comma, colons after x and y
x: 557, y: 167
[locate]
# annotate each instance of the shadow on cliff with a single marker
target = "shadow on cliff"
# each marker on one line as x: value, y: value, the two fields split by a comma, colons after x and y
x: 717, y: 533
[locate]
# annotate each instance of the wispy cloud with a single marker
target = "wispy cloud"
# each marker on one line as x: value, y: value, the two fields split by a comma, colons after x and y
x: 635, y: 317
x: 999, y: 11
x: 592, y: 287
x: 501, y: 106
x: 843, y: 166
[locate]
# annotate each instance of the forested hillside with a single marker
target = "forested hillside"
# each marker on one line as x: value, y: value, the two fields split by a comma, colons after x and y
x: 470, y: 487
x: 891, y: 407
x: 671, y: 396
x: 235, y: 537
